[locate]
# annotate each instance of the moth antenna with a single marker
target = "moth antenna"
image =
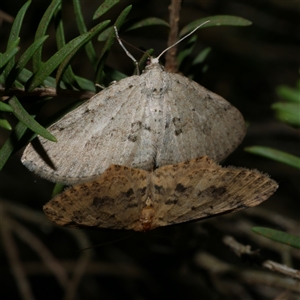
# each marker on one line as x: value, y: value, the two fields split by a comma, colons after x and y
x: 127, y: 52
x: 156, y: 59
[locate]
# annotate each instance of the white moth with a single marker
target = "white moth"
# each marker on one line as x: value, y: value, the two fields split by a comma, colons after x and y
x: 146, y: 121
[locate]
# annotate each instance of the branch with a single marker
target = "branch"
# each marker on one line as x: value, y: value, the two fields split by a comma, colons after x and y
x: 218, y: 267
x: 14, y: 259
x: 240, y: 249
x: 171, y: 62
x: 45, y: 92
x: 283, y: 269
x: 49, y: 260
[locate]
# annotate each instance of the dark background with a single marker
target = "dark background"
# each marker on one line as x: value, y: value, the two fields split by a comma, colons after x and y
x: 245, y: 66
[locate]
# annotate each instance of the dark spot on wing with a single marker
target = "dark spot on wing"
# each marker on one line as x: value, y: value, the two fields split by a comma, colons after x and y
x: 178, y: 131
x: 213, y: 191
x: 98, y: 202
x: 158, y: 187
x: 136, y: 126
x: 216, y: 192
x: 180, y: 188
x: 129, y: 193
x: 132, y: 138
x: 131, y: 205
x: 171, y: 202
x: 147, y: 127
x: 142, y: 191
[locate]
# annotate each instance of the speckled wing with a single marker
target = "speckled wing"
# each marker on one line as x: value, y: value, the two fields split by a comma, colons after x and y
x: 103, y: 131
x: 145, y: 122
x: 199, y: 189
x: 197, y: 114
x: 114, y: 200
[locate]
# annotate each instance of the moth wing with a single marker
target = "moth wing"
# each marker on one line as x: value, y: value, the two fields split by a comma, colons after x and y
x: 192, y: 191
x: 89, y: 140
x: 197, y: 114
x: 113, y: 200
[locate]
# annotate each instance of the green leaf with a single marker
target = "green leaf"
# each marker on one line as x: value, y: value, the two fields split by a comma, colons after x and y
x: 57, y: 189
x: 11, y: 143
x: 70, y: 55
x: 114, y: 75
x: 200, y: 58
x: 278, y: 236
x: 8, y: 56
x: 5, y: 107
x: 288, y: 93
x: 183, y: 54
x: 276, y: 155
x: 29, y: 121
x: 54, y: 61
x: 20, y: 65
x: 49, y: 81
x: 104, y: 7
x: 89, y: 48
x: 41, y: 31
x: 5, y: 124
x: 85, y: 84
x: 15, y: 31
x: 288, y: 112
x: 148, y: 22
x: 108, y: 44
x: 67, y: 76
x: 104, y: 35
x: 219, y: 20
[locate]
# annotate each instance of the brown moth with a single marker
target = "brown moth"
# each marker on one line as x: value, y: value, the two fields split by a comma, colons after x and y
x: 128, y: 198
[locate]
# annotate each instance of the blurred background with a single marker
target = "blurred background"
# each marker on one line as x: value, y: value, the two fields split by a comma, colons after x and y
x: 190, y: 261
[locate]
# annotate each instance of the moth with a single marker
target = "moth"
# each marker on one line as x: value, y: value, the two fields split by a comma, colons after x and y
x: 135, y: 199
x: 146, y: 121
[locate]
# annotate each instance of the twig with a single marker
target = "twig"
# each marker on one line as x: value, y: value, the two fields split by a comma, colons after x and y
x: 216, y: 266
x: 25, y: 213
x: 240, y: 249
x: 14, y: 259
x: 274, y: 266
x: 49, y: 260
x: 53, y: 265
x: 171, y: 62
x: 81, y: 264
x: 244, y: 228
x: 45, y: 92
x: 5, y: 17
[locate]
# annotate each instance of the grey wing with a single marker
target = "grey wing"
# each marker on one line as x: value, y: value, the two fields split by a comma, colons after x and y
x: 112, y: 200
x: 195, y: 193
x: 103, y: 131
x: 199, y: 123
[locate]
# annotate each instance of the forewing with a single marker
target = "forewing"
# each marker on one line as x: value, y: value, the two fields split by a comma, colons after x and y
x: 105, y: 130
x: 195, y: 192
x: 199, y: 122
x: 113, y: 200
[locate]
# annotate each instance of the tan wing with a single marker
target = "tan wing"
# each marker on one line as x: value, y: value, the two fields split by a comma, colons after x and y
x: 192, y: 191
x: 114, y: 200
